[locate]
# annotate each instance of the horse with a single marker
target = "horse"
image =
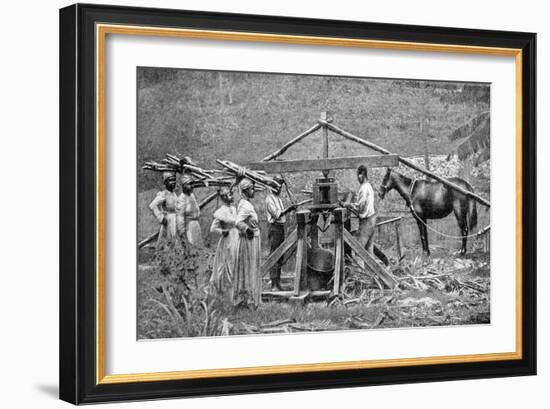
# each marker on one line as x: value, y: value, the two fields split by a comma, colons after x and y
x: 433, y: 200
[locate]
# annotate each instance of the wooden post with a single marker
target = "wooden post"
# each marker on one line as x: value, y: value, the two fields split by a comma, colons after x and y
x: 398, y: 240
x: 324, y: 118
x: 302, y: 217
x: 424, y: 134
x: 339, y: 218
x: 314, y: 230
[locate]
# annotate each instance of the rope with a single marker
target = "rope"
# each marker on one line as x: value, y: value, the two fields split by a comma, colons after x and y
x: 450, y: 236
x: 241, y: 171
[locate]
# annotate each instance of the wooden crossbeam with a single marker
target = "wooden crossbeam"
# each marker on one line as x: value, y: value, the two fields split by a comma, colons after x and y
x: 371, y: 263
x: 286, y: 246
x: 351, y: 162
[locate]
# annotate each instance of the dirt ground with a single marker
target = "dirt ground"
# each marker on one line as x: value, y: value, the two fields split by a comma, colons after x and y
x: 443, y: 290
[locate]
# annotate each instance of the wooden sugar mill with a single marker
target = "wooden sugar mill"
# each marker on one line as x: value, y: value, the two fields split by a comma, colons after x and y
x: 315, y: 266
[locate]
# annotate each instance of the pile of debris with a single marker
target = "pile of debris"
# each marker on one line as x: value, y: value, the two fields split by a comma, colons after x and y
x: 464, y: 277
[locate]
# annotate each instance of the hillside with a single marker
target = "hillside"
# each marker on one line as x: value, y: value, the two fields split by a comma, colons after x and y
x: 244, y: 116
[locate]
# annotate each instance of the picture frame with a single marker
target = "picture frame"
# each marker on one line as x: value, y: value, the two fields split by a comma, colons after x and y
x: 83, y: 179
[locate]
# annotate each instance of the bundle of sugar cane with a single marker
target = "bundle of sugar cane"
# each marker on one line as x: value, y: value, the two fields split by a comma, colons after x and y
x: 260, y: 178
x: 173, y: 163
x: 212, y: 182
x: 160, y: 167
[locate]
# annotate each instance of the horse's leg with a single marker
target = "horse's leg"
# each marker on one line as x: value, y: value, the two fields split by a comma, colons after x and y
x: 423, y: 233
x: 460, y: 209
x: 427, y: 249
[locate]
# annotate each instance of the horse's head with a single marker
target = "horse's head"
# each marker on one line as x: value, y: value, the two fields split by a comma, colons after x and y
x: 388, y: 183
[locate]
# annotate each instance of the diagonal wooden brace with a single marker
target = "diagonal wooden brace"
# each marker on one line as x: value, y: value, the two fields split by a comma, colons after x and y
x: 339, y: 217
x: 302, y: 218
x: 286, y: 246
x: 370, y: 262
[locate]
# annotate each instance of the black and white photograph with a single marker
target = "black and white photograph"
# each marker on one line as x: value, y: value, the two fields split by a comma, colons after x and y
x: 274, y: 203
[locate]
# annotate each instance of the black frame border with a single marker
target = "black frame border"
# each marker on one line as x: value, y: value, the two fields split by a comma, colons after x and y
x: 78, y: 197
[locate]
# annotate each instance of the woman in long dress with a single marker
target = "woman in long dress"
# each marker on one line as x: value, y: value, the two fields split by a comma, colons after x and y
x: 188, y: 211
x: 163, y: 208
x: 247, y: 274
x: 224, y: 225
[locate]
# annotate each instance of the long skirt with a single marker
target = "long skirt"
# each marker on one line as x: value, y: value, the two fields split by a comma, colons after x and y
x: 168, y: 231
x: 224, y: 263
x: 247, y: 274
x: 194, y: 234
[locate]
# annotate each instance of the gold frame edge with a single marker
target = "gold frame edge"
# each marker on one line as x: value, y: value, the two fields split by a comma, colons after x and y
x: 101, y: 32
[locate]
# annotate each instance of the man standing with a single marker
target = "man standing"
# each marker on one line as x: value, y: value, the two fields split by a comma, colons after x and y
x: 364, y: 208
x: 276, y: 234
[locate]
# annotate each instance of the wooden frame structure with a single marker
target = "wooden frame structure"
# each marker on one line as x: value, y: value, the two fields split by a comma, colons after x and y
x: 271, y: 164
x: 298, y: 240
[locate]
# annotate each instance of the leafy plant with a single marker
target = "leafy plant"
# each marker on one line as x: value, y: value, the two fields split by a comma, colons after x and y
x: 182, y: 275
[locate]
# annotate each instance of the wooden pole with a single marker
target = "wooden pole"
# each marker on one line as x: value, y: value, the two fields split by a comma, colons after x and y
x: 339, y: 218
x: 314, y: 230
x: 398, y: 240
x: 287, y: 145
x: 324, y: 118
x: 424, y: 134
x: 301, y: 251
x: 408, y: 163
x: 395, y: 219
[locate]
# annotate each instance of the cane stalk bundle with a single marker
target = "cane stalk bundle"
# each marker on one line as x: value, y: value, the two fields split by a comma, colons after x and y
x: 259, y: 178
x: 185, y: 165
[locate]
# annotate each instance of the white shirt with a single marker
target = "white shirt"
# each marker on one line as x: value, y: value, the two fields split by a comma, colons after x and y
x: 275, y: 208
x: 364, y: 206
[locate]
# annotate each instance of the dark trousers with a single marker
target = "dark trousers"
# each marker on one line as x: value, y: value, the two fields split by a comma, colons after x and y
x: 276, y: 236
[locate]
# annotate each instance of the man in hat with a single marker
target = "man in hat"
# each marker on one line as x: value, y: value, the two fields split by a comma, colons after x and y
x: 364, y: 208
x: 188, y: 212
x: 163, y: 208
x: 276, y: 234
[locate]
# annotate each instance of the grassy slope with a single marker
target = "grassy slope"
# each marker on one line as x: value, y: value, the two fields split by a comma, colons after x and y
x: 244, y: 116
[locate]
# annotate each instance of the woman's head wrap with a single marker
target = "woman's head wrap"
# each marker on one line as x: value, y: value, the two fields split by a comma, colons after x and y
x: 225, y: 191
x: 168, y: 175
x: 245, y: 184
x: 186, y: 179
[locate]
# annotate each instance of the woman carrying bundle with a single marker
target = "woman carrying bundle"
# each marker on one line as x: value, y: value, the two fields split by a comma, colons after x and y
x: 224, y: 225
x: 163, y: 208
x: 188, y: 213
x: 247, y: 275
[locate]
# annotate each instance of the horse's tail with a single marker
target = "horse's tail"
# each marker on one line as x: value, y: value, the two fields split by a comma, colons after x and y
x: 472, y: 214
